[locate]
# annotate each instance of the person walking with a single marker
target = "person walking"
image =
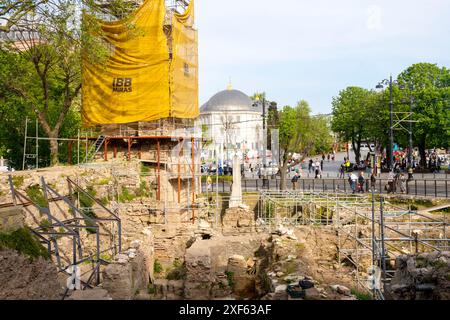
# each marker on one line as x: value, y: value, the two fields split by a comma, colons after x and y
x: 373, y: 182
x: 208, y: 183
x: 352, y: 179
x: 317, y: 169
x: 361, y: 181
x: 294, y: 180
x: 310, y: 165
x: 342, y: 171
x: 402, y: 180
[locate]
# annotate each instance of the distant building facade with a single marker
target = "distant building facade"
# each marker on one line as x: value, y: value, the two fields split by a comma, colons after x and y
x: 234, y: 125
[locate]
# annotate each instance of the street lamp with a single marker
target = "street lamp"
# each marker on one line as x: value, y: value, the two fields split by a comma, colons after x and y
x: 265, y: 180
x: 381, y: 85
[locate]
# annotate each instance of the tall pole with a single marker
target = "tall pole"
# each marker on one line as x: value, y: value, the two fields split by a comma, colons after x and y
x: 37, y: 145
x: 264, y: 143
x: 25, y: 144
x: 410, y: 131
x: 391, y: 127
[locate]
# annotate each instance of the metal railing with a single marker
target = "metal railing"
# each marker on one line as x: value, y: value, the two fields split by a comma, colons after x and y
x: 437, y: 188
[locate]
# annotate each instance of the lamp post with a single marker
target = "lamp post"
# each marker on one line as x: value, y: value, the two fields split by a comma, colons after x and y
x: 381, y: 85
x: 264, y: 151
x: 265, y: 180
x: 410, y: 153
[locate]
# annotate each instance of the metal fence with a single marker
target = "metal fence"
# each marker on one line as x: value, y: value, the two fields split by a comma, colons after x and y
x: 438, y: 188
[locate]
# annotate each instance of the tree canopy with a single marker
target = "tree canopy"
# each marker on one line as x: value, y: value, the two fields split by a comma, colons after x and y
x: 361, y: 115
x: 41, y: 61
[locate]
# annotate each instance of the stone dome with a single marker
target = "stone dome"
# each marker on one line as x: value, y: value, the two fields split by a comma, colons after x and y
x: 230, y: 101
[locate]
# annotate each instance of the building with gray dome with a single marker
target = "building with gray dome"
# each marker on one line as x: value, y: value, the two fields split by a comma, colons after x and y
x: 234, y: 125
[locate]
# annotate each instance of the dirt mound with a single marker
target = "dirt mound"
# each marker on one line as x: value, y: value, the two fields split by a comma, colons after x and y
x: 22, y: 278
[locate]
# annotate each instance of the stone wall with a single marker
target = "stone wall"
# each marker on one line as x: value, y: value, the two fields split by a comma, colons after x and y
x: 425, y: 276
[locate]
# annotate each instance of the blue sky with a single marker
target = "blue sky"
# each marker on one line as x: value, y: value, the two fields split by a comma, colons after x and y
x: 298, y: 49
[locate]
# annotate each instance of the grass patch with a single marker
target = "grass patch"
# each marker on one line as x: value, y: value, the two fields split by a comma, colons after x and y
x: 45, y: 224
x: 230, y: 278
x: 290, y: 267
x: 145, y: 169
x: 126, y: 195
x: 103, y: 182
x: 24, y: 242
x: 157, y: 267
x: 104, y: 201
x: 151, y: 289
x: 18, y: 181
x: 143, y: 191
x: 86, y: 204
x: 361, y: 295
x: 34, y: 192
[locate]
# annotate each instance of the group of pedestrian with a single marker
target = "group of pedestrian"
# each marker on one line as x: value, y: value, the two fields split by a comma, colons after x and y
x: 316, y: 167
x: 396, y: 180
x: 357, y: 183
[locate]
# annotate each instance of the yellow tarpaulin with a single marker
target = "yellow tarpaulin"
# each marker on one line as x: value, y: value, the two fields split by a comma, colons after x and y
x: 184, y: 66
x: 139, y: 82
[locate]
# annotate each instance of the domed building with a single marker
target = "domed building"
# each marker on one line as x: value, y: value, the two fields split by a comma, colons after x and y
x: 234, y: 124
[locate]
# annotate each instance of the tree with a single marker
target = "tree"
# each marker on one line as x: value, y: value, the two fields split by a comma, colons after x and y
x: 351, y: 114
x: 429, y: 86
x: 301, y: 133
x: 50, y: 42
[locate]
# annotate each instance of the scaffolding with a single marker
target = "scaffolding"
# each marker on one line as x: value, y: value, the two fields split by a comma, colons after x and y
x: 66, y: 220
x: 371, y: 232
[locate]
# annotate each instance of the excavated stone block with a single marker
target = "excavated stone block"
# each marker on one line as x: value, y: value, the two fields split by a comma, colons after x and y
x: 11, y: 219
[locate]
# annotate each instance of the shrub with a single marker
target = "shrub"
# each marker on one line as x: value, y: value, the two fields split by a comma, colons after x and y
x: 230, y: 278
x: 157, y: 267
x: 151, y: 289
x: 126, y: 195
x: 45, y: 224
x: 36, y: 195
x: 143, y: 190
x: 103, y: 182
x: 361, y: 295
x: 18, y: 181
x: 24, y: 242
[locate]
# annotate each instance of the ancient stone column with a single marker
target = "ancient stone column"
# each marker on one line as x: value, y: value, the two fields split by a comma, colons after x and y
x: 236, y: 191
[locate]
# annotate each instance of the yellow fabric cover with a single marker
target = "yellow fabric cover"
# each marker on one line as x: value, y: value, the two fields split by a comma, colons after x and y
x: 184, y: 66
x: 134, y: 84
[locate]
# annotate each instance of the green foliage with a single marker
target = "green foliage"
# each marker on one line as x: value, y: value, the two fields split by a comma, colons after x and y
x: 300, y: 132
x: 18, y: 181
x: 144, y: 168
x: 143, y: 190
x: 45, y: 224
x: 86, y: 204
x: 361, y: 115
x: 290, y: 267
x: 230, y: 278
x: 151, y: 289
x: 269, y: 209
x: 104, y: 201
x: 361, y: 295
x: 24, y: 242
x: 429, y: 86
x: 126, y: 195
x: 103, y: 181
x: 157, y: 267
x: 44, y: 80
x: 34, y: 192
x: 358, y: 116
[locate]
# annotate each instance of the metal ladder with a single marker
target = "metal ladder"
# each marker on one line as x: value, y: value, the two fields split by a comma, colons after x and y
x: 95, y: 148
